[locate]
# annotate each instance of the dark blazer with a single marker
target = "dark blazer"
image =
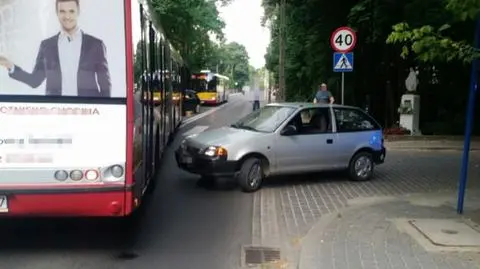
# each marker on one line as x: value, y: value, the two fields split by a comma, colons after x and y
x: 93, y: 66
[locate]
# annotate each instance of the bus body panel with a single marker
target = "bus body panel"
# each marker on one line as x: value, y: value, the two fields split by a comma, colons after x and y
x: 67, y: 203
x: 81, y: 134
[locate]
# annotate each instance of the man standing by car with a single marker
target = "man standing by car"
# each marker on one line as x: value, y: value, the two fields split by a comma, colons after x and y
x: 323, y: 96
x: 256, y: 98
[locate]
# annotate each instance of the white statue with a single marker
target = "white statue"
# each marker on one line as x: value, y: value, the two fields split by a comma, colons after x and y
x: 411, y: 83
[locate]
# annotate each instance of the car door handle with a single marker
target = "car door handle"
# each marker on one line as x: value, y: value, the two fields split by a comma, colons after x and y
x: 329, y: 141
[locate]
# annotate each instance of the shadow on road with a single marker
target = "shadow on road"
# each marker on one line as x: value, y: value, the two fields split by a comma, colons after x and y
x: 62, y: 233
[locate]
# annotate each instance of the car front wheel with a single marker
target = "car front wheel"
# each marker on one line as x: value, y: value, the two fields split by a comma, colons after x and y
x: 251, y: 175
x: 361, y: 166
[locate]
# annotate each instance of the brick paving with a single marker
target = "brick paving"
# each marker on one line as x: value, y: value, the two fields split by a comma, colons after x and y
x: 304, y: 201
x: 365, y: 238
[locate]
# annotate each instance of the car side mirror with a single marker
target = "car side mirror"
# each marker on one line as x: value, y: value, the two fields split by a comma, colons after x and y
x: 289, y: 130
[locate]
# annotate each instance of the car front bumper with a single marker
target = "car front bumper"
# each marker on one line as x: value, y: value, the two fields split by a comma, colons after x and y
x: 379, y: 156
x: 204, y: 165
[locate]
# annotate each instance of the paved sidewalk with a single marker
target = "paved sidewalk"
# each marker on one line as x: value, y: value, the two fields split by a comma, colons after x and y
x: 364, y: 235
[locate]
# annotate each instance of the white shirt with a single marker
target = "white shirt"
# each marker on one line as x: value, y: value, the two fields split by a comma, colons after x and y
x: 69, y: 51
x: 256, y: 94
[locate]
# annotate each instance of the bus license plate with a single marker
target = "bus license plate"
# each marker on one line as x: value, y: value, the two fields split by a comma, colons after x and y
x: 3, y: 204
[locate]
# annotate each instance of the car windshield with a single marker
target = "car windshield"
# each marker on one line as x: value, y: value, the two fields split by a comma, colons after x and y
x: 266, y: 120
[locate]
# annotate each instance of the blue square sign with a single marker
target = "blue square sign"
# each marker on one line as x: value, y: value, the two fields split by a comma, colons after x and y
x: 342, y: 62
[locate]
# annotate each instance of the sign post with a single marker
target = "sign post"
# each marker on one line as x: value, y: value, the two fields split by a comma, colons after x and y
x: 462, y: 184
x: 343, y: 41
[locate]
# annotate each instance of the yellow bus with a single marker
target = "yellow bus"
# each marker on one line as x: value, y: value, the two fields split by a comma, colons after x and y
x: 211, y: 88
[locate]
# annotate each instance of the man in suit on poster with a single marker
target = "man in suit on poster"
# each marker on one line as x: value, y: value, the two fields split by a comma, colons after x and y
x: 72, y: 62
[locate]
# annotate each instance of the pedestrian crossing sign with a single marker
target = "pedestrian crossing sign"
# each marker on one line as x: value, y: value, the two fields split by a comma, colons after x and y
x: 342, y: 62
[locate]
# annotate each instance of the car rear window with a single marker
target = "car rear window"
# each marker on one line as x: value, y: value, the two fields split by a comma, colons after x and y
x: 354, y: 120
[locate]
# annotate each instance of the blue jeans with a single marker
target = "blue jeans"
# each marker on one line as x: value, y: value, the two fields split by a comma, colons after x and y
x: 256, y: 105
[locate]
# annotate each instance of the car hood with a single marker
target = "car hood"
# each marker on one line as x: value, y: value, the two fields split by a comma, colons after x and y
x: 223, y: 136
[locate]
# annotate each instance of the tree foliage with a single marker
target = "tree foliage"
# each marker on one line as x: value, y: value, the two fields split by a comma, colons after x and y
x: 436, y: 42
x: 230, y: 59
x: 189, y: 26
x: 433, y: 36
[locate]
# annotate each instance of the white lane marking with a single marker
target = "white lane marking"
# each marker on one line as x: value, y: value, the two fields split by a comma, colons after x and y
x: 195, y: 130
x: 206, y: 113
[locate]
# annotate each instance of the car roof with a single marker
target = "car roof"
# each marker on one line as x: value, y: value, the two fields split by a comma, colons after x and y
x: 308, y: 105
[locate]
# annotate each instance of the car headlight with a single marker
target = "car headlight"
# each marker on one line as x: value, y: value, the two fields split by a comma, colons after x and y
x: 214, y: 151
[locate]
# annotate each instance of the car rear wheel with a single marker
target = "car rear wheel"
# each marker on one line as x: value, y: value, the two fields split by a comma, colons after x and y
x: 251, y: 175
x: 361, y: 166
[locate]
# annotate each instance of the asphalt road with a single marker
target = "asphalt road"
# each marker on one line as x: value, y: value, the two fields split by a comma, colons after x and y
x: 181, y: 226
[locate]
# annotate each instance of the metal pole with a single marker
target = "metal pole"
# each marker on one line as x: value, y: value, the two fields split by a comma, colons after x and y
x: 468, y: 125
x: 281, y: 71
x: 343, y: 87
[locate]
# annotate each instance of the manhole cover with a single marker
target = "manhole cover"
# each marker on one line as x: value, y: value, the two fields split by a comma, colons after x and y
x: 446, y: 231
x: 260, y: 255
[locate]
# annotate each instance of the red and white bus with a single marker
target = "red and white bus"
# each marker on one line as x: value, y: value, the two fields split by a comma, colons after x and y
x: 76, y: 138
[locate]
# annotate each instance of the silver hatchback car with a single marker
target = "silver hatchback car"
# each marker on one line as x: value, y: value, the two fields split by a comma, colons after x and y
x: 286, y: 138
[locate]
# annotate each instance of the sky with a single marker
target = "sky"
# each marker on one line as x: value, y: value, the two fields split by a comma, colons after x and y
x: 242, y: 19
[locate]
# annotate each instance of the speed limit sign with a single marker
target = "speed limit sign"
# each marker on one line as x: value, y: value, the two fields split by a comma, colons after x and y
x: 343, y: 39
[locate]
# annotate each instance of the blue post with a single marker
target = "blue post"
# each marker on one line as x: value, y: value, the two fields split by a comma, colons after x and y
x: 468, y: 125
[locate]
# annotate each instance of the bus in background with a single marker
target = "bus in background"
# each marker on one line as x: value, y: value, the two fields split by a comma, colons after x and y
x: 82, y: 143
x: 211, y: 88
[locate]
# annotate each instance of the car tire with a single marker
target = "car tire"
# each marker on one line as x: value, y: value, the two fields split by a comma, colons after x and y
x: 361, y: 166
x: 251, y: 175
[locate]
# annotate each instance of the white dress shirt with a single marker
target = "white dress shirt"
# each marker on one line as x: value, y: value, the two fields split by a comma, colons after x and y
x: 69, y: 51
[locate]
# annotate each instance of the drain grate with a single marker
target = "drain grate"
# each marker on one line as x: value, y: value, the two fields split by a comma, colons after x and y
x: 260, y: 255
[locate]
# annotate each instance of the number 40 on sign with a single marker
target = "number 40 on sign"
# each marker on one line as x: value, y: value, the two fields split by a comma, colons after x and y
x: 343, y: 39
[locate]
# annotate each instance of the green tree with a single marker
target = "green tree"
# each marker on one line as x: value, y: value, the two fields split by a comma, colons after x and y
x: 231, y: 59
x: 433, y: 36
x: 187, y: 24
x: 439, y: 40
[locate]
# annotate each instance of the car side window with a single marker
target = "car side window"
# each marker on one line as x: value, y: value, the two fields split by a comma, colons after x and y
x: 354, y: 120
x: 312, y: 121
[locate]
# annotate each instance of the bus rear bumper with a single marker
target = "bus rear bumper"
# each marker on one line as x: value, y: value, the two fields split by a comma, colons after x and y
x: 65, y: 203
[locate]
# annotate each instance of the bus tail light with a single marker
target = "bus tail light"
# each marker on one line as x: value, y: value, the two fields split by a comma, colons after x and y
x: 61, y: 175
x: 117, y: 171
x: 114, y: 174
x: 76, y: 175
x: 91, y: 175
